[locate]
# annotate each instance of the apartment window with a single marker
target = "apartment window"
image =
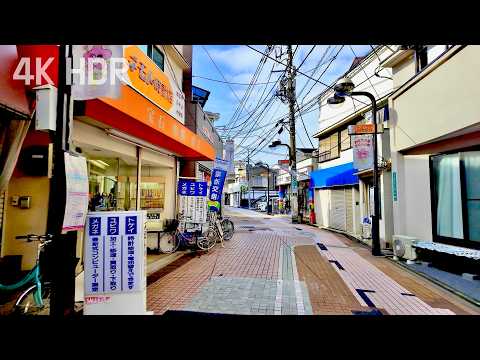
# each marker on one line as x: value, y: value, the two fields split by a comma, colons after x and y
x: 426, y: 54
x: 421, y: 55
x: 456, y: 198
x: 329, y: 148
x: 155, y: 54
x: 345, y: 140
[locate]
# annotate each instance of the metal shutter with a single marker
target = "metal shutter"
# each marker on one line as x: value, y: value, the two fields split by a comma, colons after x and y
x: 337, y: 210
x: 349, y: 209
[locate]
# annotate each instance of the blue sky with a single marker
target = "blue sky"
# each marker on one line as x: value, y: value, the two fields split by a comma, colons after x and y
x: 238, y: 63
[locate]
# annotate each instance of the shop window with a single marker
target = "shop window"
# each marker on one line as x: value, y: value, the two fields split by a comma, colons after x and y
x: 112, y: 184
x: 152, y: 189
x: 456, y: 198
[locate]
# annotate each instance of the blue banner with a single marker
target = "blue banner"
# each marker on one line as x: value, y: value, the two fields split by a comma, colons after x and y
x: 183, y: 185
x: 192, y: 188
x: 216, y: 188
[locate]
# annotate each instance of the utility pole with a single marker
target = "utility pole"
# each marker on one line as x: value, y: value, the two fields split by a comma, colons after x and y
x: 63, y: 248
x: 248, y: 177
x: 293, y: 148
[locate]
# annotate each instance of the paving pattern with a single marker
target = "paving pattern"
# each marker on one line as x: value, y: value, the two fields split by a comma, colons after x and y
x: 273, y: 267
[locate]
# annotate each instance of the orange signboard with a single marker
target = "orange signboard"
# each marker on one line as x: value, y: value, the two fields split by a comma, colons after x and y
x: 363, y: 129
x: 139, y: 108
x: 147, y: 78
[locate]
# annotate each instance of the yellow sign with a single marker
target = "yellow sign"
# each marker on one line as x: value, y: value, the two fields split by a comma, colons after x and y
x: 147, y: 78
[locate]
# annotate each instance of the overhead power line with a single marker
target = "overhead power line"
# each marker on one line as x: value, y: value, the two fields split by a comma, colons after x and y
x: 232, y: 83
x: 308, y: 76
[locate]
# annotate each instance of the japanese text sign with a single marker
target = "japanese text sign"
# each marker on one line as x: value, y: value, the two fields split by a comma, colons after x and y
x: 362, y: 152
x: 114, y: 252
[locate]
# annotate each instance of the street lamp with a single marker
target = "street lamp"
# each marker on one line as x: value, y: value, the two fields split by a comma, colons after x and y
x: 344, y: 87
x: 260, y: 163
x: 293, y: 182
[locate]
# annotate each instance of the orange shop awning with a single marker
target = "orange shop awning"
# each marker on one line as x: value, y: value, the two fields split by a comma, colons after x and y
x: 12, y: 92
x: 135, y: 115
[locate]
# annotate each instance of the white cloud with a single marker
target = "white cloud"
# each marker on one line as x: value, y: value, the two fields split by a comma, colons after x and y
x: 236, y: 59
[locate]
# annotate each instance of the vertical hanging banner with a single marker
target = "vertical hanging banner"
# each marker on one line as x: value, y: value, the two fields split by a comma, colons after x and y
x: 114, y: 263
x: 76, y: 205
x: 229, y: 150
x: 216, y: 188
x: 96, y: 71
x: 362, y: 152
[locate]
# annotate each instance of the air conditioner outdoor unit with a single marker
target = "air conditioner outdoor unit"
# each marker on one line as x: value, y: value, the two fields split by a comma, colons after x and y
x: 402, y: 248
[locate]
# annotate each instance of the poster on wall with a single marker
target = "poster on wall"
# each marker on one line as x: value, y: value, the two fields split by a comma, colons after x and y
x: 114, y: 253
x: 76, y: 205
x: 192, y: 201
x: 362, y: 152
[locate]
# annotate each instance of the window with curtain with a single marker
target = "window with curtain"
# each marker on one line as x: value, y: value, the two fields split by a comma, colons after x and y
x: 449, y: 197
x: 457, y: 198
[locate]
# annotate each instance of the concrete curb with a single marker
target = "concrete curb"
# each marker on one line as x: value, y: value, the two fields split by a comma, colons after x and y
x: 436, y: 282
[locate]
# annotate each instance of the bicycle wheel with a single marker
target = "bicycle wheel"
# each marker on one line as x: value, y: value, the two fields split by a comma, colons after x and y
x: 169, y: 242
x: 208, y: 241
x: 228, y: 229
x: 26, y: 304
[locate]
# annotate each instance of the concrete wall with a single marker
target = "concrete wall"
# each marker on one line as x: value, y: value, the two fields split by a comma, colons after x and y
x: 25, y: 221
x: 412, y: 210
x: 431, y: 102
x: 330, y: 115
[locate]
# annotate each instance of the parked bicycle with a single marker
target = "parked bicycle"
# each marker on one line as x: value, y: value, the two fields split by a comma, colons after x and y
x: 190, y: 235
x: 228, y: 228
x: 194, y: 235
x: 35, y: 300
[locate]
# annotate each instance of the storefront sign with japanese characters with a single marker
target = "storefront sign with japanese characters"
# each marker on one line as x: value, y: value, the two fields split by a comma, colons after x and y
x: 114, y: 252
x: 193, y: 201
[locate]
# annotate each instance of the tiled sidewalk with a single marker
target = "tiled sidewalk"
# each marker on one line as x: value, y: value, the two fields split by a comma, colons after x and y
x: 273, y: 267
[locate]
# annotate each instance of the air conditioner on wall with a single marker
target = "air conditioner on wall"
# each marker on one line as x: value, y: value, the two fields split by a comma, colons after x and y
x: 402, y: 248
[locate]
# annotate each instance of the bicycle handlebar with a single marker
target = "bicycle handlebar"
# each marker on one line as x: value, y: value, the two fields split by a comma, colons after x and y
x: 34, y: 237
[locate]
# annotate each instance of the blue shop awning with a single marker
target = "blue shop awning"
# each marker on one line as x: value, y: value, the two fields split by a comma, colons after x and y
x: 340, y: 175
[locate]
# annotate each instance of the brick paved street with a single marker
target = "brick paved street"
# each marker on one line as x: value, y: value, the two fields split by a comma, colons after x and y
x: 273, y: 267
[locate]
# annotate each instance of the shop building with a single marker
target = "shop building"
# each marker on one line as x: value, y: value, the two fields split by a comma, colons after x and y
x: 343, y: 195
x: 134, y: 147
x: 16, y: 110
x: 306, y: 164
x: 435, y: 143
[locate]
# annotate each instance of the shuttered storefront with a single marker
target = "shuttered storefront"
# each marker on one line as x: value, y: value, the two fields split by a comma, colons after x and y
x: 349, y: 209
x: 338, y: 209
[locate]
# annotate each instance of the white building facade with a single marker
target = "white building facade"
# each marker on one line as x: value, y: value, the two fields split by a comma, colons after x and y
x: 343, y: 196
x: 435, y: 143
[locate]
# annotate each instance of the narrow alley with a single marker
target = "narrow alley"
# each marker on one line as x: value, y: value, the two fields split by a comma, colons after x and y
x: 274, y: 267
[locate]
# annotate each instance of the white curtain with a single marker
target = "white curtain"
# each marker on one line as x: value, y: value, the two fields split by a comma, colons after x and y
x: 13, y: 133
x: 449, y: 207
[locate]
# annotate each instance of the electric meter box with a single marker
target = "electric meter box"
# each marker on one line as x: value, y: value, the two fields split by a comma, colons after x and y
x: 46, y: 107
